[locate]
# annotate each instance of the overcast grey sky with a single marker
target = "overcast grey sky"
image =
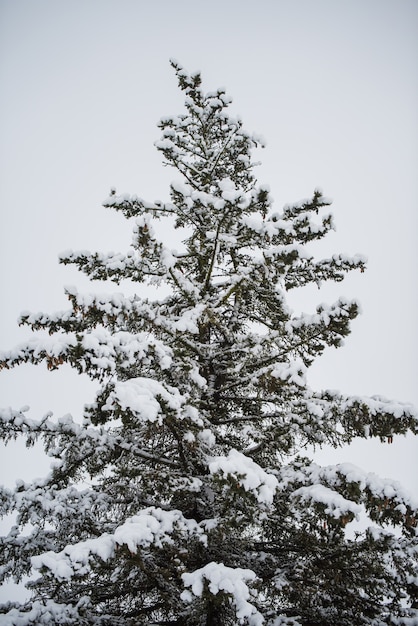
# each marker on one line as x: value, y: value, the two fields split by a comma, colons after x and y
x: 331, y: 84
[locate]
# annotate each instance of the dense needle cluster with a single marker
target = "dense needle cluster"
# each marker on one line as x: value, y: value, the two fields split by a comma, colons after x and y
x: 183, y: 495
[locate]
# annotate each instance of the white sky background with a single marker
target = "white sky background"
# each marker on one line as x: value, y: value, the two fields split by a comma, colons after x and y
x: 331, y: 84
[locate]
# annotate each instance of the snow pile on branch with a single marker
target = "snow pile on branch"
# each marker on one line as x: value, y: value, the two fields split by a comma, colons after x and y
x: 75, y: 559
x: 335, y: 504
x: 247, y: 474
x: 143, y: 397
x: 152, y: 526
x: 291, y: 372
x: 46, y: 612
x: 232, y: 581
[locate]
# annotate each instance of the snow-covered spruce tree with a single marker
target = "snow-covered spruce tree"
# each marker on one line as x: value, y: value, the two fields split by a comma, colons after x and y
x: 181, y: 496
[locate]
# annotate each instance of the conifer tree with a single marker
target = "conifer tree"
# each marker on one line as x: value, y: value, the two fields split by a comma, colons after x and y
x: 183, y: 495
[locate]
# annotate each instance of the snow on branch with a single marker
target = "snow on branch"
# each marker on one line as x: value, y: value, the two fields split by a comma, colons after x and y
x: 97, y: 350
x: 335, y: 505
x: 151, y: 527
x: 54, y: 350
x: 375, y: 416
x: 218, y: 578
x: 247, y: 474
x: 91, y: 440
x: 41, y: 613
x: 341, y: 489
x: 132, y: 205
x: 144, y: 397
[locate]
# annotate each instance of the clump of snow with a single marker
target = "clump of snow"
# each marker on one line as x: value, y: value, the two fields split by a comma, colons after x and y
x: 293, y: 371
x: 247, y: 473
x: 381, y: 488
x: 207, y: 437
x: 37, y: 347
x: 105, y: 348
x: 335, y: 504
x: 71, y: 290
x: 74, y: 559
x: 181, y: 188
x: 142, y: 397
x: 197, y: 378
x: 229, y: 192
x: 152, y: 526
x: 188, y: 322
x: 322, y: 485
x: 43, y: 612
x: 230, y: 580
